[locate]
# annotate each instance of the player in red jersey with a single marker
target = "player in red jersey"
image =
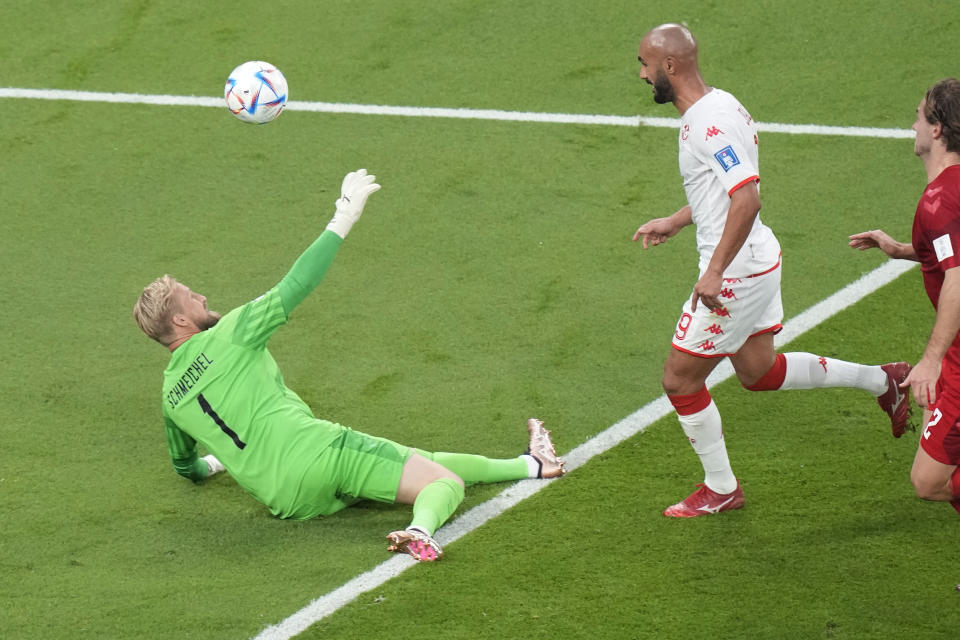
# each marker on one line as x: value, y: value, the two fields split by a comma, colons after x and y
x: 735, y: 309
x: 935, y: 379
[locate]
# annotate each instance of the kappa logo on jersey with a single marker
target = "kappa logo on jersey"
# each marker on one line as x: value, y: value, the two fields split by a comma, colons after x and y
x: 746, y: 116
x: 721, y: 311
x: 707, y: 345
x: 685, y: 132
x: 714, y: 329
x: 727, y: 158
x: 712, y: 131
x: 823, y: 363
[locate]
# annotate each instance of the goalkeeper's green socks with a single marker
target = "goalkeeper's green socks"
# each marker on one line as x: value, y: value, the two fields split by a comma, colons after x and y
x: 474, y: 469
x: 435, y: 503
x: 439, y: 499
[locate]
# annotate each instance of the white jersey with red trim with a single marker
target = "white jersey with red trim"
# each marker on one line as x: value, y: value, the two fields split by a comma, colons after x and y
x: 718, y: 155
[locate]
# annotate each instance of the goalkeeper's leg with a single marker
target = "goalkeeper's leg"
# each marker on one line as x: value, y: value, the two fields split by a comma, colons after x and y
x: 435, y: 493
x: 539, y: 461
x: 474, y: 469
x: 433, y: 483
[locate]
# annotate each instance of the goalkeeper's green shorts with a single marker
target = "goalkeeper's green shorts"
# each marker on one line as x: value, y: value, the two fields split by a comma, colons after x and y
x: 354, y: 467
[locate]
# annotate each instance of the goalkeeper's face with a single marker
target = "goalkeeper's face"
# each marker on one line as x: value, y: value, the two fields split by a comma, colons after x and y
x: 194, y: 306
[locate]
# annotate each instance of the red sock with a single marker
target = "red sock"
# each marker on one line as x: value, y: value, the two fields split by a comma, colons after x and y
x: 772, y: 379
x: 692, y: 403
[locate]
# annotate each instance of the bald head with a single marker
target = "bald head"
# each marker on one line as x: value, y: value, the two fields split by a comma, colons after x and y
x: 668, y: 58
x: 672, y: 40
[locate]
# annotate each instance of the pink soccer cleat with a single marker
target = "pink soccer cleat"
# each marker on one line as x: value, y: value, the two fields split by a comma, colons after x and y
x: 704, y: 501
x: 415, y: 542
x: 895, y: 401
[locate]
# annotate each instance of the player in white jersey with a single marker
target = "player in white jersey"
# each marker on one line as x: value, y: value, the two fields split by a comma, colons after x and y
x: 735, y: 308
x: 716, y: 132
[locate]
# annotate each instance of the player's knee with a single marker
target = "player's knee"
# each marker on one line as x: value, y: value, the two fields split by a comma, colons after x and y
x: 923, y: 491
x: 924, y: 486
x: 443, y: 472
x: 675, y: 384
x: 669, y: 384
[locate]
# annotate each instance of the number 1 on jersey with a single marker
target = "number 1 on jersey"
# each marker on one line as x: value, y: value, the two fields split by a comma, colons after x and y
x: 207, y: 409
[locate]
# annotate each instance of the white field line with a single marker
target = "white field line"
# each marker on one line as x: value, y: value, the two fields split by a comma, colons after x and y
x: 631, y: 425
x: 439, y: 112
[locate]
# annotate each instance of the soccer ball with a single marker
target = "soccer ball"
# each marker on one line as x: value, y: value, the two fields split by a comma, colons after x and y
x: 256, y: 92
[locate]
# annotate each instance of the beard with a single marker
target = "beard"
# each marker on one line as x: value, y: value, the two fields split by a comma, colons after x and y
x: 662, y: 89
x: 208, y: 321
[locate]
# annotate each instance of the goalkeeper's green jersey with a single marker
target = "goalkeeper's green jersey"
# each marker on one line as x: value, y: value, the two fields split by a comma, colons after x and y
x: 222, y: 388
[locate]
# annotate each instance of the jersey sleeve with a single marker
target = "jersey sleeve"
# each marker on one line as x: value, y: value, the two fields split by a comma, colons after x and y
x: 944, y: 239
x: 945, y: 246
x: 252, y: 324
x: 936, y: 227
x: 183, y: 452
x: 256, y: 321
x: 722, y: 147
x: 308, y: 271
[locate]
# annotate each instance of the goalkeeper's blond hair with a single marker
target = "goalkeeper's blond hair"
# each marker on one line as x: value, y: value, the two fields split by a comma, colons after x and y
x: 155, y: 307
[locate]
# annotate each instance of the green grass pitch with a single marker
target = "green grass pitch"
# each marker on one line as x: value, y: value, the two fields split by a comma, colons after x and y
x: 491, y: 279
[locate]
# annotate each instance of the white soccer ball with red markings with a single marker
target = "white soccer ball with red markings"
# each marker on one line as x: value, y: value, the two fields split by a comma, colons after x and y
x: 256, y: 92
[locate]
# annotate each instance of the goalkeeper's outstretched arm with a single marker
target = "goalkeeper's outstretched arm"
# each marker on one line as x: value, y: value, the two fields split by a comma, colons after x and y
x: 312, y: 265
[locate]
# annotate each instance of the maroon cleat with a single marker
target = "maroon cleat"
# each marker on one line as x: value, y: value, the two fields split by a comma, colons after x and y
x: 895, y: 401
x: 704, y: 501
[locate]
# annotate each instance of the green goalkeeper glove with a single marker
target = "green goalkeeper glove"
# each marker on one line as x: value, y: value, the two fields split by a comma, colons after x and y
x: 214, y: 466
x: 357, y: 187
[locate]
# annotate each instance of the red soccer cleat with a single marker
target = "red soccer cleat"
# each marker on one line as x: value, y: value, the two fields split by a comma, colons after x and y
x: 895, y: 401
x: 704, y: 501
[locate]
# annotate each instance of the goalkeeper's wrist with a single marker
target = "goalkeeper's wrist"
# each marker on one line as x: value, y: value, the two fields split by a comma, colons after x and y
x: 340, y: 224
x: 214, y: 466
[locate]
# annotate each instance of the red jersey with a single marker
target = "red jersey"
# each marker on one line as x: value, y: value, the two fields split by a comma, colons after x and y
x: 936, y: 240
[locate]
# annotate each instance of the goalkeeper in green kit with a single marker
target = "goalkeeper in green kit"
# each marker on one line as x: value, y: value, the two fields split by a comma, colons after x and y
x: 223, y: 389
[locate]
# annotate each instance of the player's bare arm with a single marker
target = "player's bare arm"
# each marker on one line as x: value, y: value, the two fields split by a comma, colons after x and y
x: 658, y: 230
x: 877, y: 239
x: 923, y: 377
x: 744, y: 207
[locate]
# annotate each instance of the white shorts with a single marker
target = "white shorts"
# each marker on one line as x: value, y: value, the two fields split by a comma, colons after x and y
x: 752, y: 306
